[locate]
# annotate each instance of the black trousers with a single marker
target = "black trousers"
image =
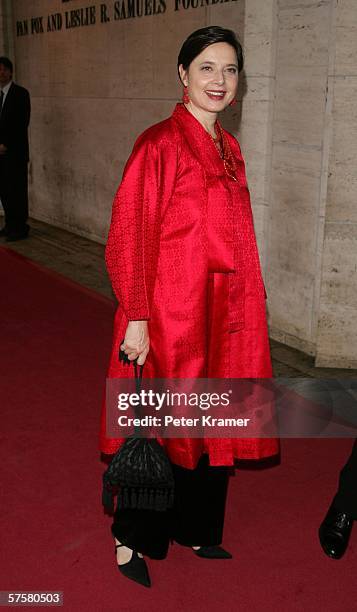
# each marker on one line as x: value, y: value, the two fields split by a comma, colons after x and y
x: 346, y: 496
x: 196, y: 519
x: 14, y: 194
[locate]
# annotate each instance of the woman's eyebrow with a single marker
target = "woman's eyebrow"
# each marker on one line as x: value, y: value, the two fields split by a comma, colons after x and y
x: 213, y: 63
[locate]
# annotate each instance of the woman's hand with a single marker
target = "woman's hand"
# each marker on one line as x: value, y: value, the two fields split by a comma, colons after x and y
x: 136, y: 342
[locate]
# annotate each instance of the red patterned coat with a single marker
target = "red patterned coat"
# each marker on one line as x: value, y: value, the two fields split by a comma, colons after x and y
x: 182, y: 254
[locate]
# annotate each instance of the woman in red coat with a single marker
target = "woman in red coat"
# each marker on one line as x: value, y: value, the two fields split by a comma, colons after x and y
x: 184, y: 265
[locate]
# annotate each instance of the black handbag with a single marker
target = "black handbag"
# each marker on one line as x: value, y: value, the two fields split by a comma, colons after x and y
x: 140, y: 473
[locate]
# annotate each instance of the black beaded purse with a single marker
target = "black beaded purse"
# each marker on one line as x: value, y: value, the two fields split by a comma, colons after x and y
x: 140, y: 473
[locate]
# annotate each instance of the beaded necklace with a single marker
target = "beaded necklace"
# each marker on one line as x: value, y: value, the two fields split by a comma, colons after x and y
x: 224, y: 151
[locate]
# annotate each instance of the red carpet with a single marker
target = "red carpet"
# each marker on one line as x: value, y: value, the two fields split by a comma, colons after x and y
x: 55, y: 342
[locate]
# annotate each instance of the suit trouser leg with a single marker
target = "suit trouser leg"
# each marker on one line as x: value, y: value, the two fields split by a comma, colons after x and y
x: 346, y: 496
x: 199, y: 509
x: 196, y: 519
x: 14, y: 195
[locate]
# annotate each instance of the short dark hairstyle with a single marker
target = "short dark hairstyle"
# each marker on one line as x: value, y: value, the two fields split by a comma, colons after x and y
x: 7, y: 63
x: 203, y: 38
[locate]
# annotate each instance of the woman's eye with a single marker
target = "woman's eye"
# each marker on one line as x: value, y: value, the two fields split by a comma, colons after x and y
x: 232, y: 70
x: 206, y: 68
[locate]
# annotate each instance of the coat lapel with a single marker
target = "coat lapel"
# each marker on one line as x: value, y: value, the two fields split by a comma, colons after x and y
x: 7, y: 101
x: 199, y: 141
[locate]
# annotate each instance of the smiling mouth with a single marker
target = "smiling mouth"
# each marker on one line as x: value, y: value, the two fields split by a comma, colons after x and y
x: 215, y: 95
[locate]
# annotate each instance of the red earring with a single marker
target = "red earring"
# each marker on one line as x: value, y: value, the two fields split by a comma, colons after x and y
x: 233, y: 102
x: 185, y: 97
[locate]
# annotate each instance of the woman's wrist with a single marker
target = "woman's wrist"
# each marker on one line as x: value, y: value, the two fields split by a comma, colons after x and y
x: 138, y: 320
x: 139, y: 324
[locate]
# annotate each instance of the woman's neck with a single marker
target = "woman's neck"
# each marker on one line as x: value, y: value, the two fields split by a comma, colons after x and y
x: 206, y: 119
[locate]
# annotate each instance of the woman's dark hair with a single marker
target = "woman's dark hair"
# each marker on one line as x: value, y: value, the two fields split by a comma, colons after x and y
x: 200, y: 39
x: 7, y: 63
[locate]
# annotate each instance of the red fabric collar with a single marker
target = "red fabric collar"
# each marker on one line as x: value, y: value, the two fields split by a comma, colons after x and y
x: 200, y: 142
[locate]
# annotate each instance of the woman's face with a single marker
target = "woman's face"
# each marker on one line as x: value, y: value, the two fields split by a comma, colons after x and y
x: 212, y: 78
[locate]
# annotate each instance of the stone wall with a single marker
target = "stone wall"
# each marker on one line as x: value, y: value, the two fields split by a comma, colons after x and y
x: 337, y: 309
x: 298, y: 200
x: 6, y: 28
x: 95, y: 88
x: 312, y: 238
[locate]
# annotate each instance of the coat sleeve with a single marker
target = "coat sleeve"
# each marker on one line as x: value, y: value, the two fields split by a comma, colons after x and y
x: 132, y: 248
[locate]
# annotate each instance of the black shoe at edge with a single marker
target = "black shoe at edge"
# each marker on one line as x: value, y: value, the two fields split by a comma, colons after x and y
x: 334, y: 532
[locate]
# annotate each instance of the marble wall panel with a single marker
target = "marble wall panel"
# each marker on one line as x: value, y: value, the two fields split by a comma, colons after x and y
x: 346, y: 50
x: 304, y: 35
x: 6, y: 33
x: 132, y: 75
x: 254, y: 141
x: 345, y: 13
x: 336, y: 344
x: 256, y: 88
x: 293, y: 252
x: 290, y: 295
x: 300, y: 105
x: 65, y: 64
x: 261, y: 220
x: 337, y: 332
x: 342, y: 181
x: 73, y: 183
x: 165, y: 80
x: 301, y: 4
x: 295, y: 193
x: 292, y: 244
x: 2, y: 31
x: 346, y: 38
x: 229, y: 15
x: 259, y: 43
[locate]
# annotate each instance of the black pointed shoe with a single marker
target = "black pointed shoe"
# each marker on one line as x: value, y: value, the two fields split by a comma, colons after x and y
x: 212, y: 552
x: 135, y: 569
x: 334, y: 532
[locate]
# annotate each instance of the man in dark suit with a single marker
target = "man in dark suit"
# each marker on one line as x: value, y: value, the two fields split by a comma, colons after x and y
x: 14, y: 153
x: 336, y: 527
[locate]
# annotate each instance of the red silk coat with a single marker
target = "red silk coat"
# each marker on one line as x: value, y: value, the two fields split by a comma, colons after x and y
x: 182, y: 254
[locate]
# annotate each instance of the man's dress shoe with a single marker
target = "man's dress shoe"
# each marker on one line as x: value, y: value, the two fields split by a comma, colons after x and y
x: 334, y: 532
